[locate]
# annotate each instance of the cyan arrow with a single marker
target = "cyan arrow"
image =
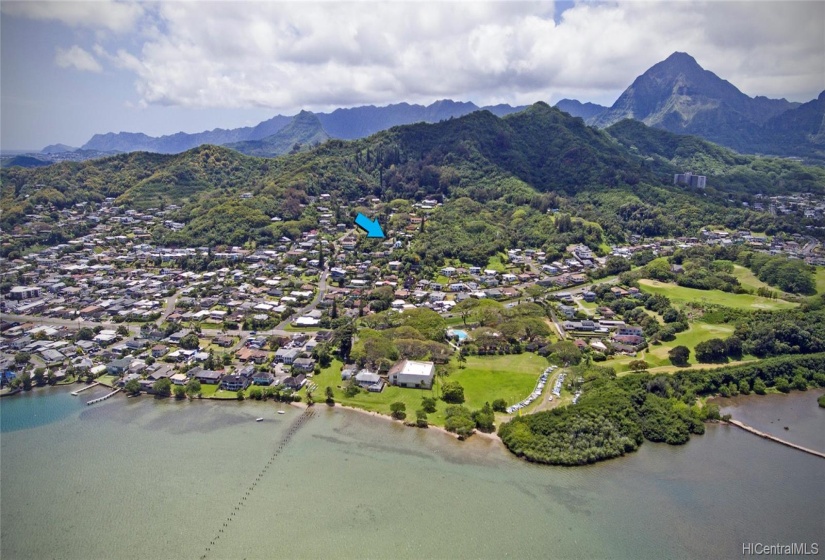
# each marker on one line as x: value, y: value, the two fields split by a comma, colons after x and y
x: 372, y: 227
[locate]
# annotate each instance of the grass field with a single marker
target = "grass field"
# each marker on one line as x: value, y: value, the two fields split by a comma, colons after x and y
x: 485, y: 378
x: 208, y: 390
x: 820, y: 280
x: 680, y: 295
x: 749, y: 280
x: 496, y: 263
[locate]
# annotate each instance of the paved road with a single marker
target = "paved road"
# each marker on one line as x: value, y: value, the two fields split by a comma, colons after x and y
x: 171, y: 302
x: 322, y: 288
x: 77, y: 323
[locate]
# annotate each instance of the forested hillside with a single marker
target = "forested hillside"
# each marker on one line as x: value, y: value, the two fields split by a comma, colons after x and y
x: 512, y: 181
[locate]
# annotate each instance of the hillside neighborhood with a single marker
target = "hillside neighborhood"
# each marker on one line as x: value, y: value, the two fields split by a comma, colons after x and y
x: 111, y: 303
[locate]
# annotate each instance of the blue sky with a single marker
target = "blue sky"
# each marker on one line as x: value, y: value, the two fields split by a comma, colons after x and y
x: 69, y: 70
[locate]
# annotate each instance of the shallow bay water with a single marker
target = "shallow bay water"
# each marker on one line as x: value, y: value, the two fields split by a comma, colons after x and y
x: 141, y: 478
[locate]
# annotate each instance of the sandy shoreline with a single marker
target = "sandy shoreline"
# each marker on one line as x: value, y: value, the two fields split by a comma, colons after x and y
x: 492, y: 436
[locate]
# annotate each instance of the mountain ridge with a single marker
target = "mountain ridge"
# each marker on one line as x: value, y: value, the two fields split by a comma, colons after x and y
x: 343, y: 123
x: 676, y: 94
x: 303, y: 132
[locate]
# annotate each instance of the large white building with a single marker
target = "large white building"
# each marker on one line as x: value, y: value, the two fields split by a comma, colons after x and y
x: 408, y: 373
x: 24, y: 292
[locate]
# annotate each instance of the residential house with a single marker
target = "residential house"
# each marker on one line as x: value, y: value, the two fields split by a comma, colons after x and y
x: 235, y: 382
x: 287, y: 355
x: 628, y: 330
x: 208, y: 376
x: 263, y: 378
x: 304, y: 364
x: 296, y: 382
x: 367, y: 379
x: 117, y: 367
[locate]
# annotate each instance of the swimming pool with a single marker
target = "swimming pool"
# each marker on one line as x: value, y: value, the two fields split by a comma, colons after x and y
x: 462, y: 335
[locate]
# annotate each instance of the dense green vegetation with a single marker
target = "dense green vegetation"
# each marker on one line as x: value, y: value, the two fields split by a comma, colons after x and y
x: 614, y: 415
x: 706, y: 267
x: 499, y: 177
x: 789, y: 275
x: 725, y: 169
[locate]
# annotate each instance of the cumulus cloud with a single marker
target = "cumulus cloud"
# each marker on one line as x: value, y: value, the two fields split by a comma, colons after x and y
x: 320, y: 55
x: 76, y: 57
x: 104, y: 14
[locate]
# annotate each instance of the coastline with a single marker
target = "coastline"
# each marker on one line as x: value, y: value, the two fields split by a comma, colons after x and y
x: 491, y: 436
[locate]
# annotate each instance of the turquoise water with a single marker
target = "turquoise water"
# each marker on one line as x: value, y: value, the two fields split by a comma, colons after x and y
x: 140, y: 478
x: 462, y: 335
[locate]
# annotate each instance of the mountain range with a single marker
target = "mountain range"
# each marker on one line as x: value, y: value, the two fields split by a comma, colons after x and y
x: 676, y: 94
x: 272, y: 137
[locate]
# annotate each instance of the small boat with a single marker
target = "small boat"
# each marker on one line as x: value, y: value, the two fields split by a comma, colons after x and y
x: 281, y: 412
x: 259, y: 419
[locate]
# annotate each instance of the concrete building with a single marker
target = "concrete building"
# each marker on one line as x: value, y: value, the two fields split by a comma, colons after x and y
x: 24, y: 292
x: 688, y: 178
x: 408, y: 373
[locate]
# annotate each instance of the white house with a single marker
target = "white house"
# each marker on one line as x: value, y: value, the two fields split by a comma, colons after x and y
x: 306, y: 322
x: 408, y: 373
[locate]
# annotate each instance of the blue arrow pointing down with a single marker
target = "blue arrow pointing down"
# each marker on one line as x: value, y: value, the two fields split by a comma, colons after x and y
x: 372, y: 227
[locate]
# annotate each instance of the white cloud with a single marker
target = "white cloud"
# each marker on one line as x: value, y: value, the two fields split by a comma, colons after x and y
x: 105, y: 14
x: 290, y: 55
x: 76, y: 57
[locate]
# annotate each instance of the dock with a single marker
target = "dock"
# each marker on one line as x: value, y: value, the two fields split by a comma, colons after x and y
x: 104, y: 397
x: 759, y: 433
x: 76, y: 393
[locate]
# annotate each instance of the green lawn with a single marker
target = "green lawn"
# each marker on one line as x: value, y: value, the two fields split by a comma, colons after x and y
x: 374, y: 402
x: 107, y: 380
x: 496, y: 263
x: 485, y: 378
x: 820, y: 280
x: 749, y: 280
x: 207, y: 390
x: 455, y: 321
x: 589, y: 305
x: 218, y: 393
x: 680, y: 295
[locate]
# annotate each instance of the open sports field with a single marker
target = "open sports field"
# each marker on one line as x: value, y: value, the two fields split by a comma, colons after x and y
x: 485, y: 378
x: 679, y: 296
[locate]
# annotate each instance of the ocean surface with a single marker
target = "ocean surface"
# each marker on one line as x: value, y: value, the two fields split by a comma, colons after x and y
x: 142, y: 478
